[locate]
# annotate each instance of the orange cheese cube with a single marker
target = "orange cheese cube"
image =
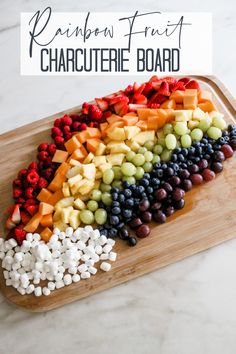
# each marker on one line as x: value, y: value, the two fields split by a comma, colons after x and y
x: 92, y: 144
x: 170, y: 115
x: 94, y: 133
x: 60, y: 156
x: 44, y: 195
x: 190, y: 102
x: 143, y: 113
x: 78, y: 155
x: 45, y: 208
x: 47, y: 221
x: 46, y: 234
x: 82, y: 136
x: 63, y: 169
x: 204, y: 96
x: 33, y: 224
x: 130, y: 120
x: 142, y: 124
x: 169, y: 104
x: 152, y: 123
x: 57, y: 182
x: 55, y: 197
x: 72, y: 144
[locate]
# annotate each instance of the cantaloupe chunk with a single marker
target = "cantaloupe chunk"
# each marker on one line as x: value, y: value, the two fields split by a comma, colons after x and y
x: 152, y: 122
x: 94, y: 133
x: 143, y: 113
x: 113, y: 118
x: 47, y: 221
x: 204, y: 96
x: 142, y: 124
x: 57, y: 182
x: 60, y: 156
x: 92, y: 144
x: 33, y: 223
x: 177, y: 96
x: 179, y: 106
x: 82, y: 136
x: 103, y: 127
x: 45, y: 208
x: 130, y: 120
x: 62, y: 169
x: 190, y: 101
x: 169, y: 104
x: 46, y: 234
x: 55, y: 197
x: 118, y: 124
x: 72, y: 144
x: 207, y: 106
x: 79, y: 154
x: 162, y: 117
x: 131, y: 114
x: 44, y: 195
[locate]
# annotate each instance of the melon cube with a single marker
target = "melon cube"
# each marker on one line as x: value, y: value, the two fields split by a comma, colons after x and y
x: 74, y: 219
x: 117, y: 134
x: 60, y: 156
x: 142, y: 137
x: 89, y: 171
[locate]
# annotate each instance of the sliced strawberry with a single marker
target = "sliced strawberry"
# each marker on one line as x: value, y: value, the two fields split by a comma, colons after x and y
x: 185, y: 80
x: 193, y: 84
x: 19, y: 234
x: 10, y: 224
x: 25, y: 217
x: 157, y: 98
x: 110, y: 97
x: 9, y: 210
x: 156, y: 85
x: 32, y: 209
x: 129, y: 90
x: 121, y: 108
x: 148, y: 89
x: 107, y: 114
x: 178, y: 86
x: 140, y: 99
x: 16, y: 218
x: 134, y: 107
x: 164, y: 89
x: 119, y: 98
x: 102, y: 104
x: 154, y: 78
x: 169, y: 80
x: 154, y: 105
x: 138, y: 88
x: 85, y: 108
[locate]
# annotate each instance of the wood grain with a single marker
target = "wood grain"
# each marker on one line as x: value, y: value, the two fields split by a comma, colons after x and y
x: 207, y: 220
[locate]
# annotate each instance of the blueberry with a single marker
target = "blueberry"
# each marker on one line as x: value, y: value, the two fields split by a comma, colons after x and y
x: 115, y: 190
x: 169, y: 172
x: 124, y: 233
x: 127, y: 213
x: 140, y: 190
x: 120, y: 225
x: 174, y: 157
x: 175, y: 167
x: 156, y: 166
x: 132, y: 241
x: 115, y: 204
x: 121, y: 198
x: 104, y: 232
x: 177, y: 151
x: 146, y: 175
x: 113, y: 232
x: 191, y: 150
x: 115, y: 211
x: 155, y: 182
x: 114, y: 196
x: 129, y: 203
x: 164, y: 166
x: 181, y: 158
x: 114, y: 220
x: 160, y: 173
x: 126, y: 184
x: 149, y: 190
x: 127, y: 193
x: 184, y: 152
x: 144, y: 182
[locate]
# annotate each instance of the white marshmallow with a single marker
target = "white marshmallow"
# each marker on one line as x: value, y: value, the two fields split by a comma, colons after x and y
x: 38, y: 291
x: 46, y: 291
x: 105, y: 266
x: 112, y: 256
x: 67, y: 279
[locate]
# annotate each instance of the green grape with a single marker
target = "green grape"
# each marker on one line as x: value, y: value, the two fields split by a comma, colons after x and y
x: 219, y: 122
x: 156, y: 159
x: 130, y: 180
x: 138, y: 159
x: 196, y: 134
x: 92, y: 205
x: 100, y: 216
x: 108, y: 176
x: 186, y: 140
x: 205, y: 124
x: 158, y: 149
x: 130, y: 155
x: 117, y: 172
x: 105, y: 187
x: 168, y: 129
x: 166, y: 155
x: 149, y: 145
x: 139, y: 173
x: 214, y: 133
x: 148, y: 155
x: 178, y: 144
x: 86, y: 216
x: 162, y: 142
x: 96, y: 195
x: 128, y: 169
x: 106, y: 198
x: 180, y: 128
x: 117, y: 184
x: 171, y: 141
x: 147, y: 166
x: 142, y: 150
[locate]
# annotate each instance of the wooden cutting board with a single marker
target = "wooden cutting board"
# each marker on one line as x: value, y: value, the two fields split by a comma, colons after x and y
x: 207, y: 219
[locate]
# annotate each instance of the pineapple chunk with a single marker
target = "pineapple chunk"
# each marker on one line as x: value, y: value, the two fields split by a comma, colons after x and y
x: 183, y: 115
x: 73, y: 171
x: 74, y: 180
x: 115, y: 159
x: 131, y: 131
x: 75, y: 162
x: 105, y: 166
x: 100, y: 149
x: 57, y: 214
x: 117, y: 134
x: 133, y: 145
x: 65, y: 202
x: 120, y: 148
x: 74, y: 219
x: 142, y: 137
x: 99, y: 160
x: 96, y: 184
x: 215, y: 114
x: 75, y: 188
x: 113, y: 143
x: 198, y: 114
x: 66, y: 189
x: 89, y: 171
x: 84, y: 197
x: 106, y: 140
x: 193, y: 124
x: 86, y: 187
x: 98, y: 175
x: 60, y: 225
x: 79, y: 204
x: 65, y: 214
x: 89, y: 158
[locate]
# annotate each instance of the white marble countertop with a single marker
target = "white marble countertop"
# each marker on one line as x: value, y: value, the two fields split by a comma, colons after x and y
x: 186, y: 308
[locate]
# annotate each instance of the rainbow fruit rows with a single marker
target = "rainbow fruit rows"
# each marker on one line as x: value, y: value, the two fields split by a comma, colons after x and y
x: 123, y: 162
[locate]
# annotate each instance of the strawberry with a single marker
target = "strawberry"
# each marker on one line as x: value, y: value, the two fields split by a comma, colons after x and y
x: 95, y: 112
x: 102, y: 104
x: 193, y: 84
x: 110, y: 97
x: 147, y: 89
x: 169, y: 80
x: 177, y: 86
x: 129, y: 90
x: 32, y: 209
x: 138, y: 88
x: 107, y: 114
x: 85, y: 107
x: 118, y: 99
x: 154, y: 105
x: 16, y: 218
x: 19, y: 235
x: 25, y: 217
x: 156, y: 85
x: 134, y: 107
x: 66, y: 120
x: 157, y: 98
x: 140, y: 99
x: 74, y: 117
x: 154, y: 78
x: 164, y: 89
x: 185, y: 80
x: 121, y: 108
x: 29, y: 202
x: 10, y: 224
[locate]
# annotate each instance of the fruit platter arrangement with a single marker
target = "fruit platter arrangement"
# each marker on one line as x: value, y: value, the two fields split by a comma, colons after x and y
x: 114, y: 169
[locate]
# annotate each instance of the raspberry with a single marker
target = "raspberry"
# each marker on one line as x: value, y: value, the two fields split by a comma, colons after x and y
x: 56, y: 131
x: 57, y: 122
x: 85, y: 107
x: 76, y: 126
x: 95, y: 113
x: 83, y: 126
x: 40, y: 165
x: 17, y: 192
x: 17, y: 183
x: 59, y: 140
x: 22, y: 173
x: 33, y: 166
x: 42, y: 155
x: 29, y: 192
x: 32, y: 177
x: 42, y: 183
x: 47, y: 174
x: 19, y: 235
x: 20, y: 200
x: 30, y: 202
x: 91, y: 124
x: 48, y: 162
x: 66, y: 129
x: 52, y: 149
x: 66, y: 120
x: 43, y: 147
x: 74, y: 117
x: 68, y: 136
x: 107, y: 114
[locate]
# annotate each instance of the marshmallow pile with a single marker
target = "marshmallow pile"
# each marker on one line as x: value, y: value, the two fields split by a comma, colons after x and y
x: 68, y: 257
